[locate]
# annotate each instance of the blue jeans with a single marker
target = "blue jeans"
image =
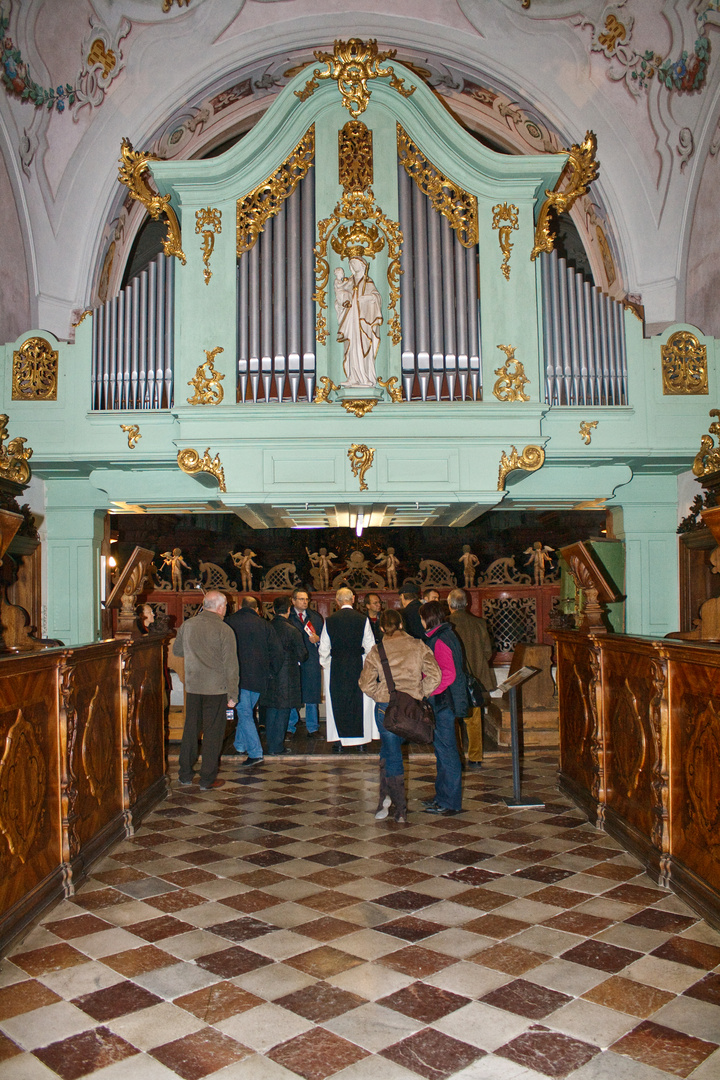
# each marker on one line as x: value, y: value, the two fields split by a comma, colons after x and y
x: 390, y: 744
x: 311, y: 719
x: 448, y: 791
x: 246, y: 734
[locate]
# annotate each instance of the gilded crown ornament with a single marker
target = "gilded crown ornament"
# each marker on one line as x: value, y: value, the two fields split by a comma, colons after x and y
x: 134, y: 173
x: 357, y: 241
x: 352, y: 64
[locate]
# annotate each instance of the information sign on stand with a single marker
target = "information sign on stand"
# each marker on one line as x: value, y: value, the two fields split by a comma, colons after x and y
x: 511, y: 687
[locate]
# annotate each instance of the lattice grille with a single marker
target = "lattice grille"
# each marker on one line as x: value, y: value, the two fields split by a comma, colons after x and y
x: 511, y: 619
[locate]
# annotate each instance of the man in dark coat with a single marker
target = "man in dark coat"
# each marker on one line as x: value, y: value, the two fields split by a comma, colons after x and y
x: 345, y: 642
x: 373, y: 606
x: 410, y: 607
x: 311, y: 624
x: 284, y: 691
x: 260, y: 655
x: 477, y: 651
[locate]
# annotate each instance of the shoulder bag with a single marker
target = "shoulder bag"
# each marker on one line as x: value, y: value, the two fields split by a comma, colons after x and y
x: 404, y: 716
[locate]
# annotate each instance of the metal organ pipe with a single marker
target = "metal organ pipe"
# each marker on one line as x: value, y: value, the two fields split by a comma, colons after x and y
x: 448, y: 275
x: 243, y: 324
x: 254, y: 357
x: 151, y: 330
x: 307, y: 208
x: 422, y: 294
x: 407, y: 293
x: 573, y: 326
x: 461, y: 321
x: 293, y: 293
x: 472, y: 322
x: 436, y: 300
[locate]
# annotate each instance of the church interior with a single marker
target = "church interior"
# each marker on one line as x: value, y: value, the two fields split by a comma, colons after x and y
x: 293, y: 294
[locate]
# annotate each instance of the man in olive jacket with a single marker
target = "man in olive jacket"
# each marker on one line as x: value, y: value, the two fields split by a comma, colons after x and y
x: 211, y: 680
x: 477, y: 650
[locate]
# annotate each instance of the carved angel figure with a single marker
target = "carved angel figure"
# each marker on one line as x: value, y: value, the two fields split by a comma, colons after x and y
x: 175, y: 561
x: 391, y: 563
x: 322, y: 567
x: 538, y: 557
x: 469, y: 564
x: 244, y: 562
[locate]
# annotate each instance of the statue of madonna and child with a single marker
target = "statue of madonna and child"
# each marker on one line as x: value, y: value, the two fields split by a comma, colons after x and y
x: 358, y: 306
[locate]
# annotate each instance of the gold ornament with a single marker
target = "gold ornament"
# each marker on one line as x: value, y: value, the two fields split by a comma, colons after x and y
x: 190, y: 462
x: 351, y: 65
x: 586, y: 429
x: 509, y: 213
x: 684, y: 365
x: 359, y: 406
x: 323, y: 393
x: 355, y: 156
x: 394, y: 391
x: 100, y: 55
x: 707, y: 459
x: 13, y: 458
x: 361, y: 459
x: 265, y: 201
x: 83, y: 316
x: 35, y: 371
x: 207, y: 223
x: 208, y: 390
x: 581, y: 168
x: 531, y: 460
x: 447, y: 197
x: 133, y: 433
x: 510, y: 386
x: 133, y: 173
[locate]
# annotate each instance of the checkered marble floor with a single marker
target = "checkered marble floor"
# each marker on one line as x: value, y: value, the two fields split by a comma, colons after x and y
x: 273, y: 929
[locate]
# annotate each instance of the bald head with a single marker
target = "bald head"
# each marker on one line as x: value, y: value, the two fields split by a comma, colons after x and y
x: 215, y: 601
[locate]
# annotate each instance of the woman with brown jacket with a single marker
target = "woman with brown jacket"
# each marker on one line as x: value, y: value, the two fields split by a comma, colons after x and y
x: 414, y: 670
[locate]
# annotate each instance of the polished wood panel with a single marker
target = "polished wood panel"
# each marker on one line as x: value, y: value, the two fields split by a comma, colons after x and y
x: 578, y: 682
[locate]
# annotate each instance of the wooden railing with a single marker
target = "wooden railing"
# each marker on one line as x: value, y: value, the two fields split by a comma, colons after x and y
x: 640, y: 752
x: 83, y: 759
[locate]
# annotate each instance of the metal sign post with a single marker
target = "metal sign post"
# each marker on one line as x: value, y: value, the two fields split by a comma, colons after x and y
x: 511, y: 686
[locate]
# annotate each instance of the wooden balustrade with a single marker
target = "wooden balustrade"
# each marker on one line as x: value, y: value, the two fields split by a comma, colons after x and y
x: 82, y: 732
x: 640, y: 752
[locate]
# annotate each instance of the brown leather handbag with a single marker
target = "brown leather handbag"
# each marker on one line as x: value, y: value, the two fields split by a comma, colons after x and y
x: 405, y: 716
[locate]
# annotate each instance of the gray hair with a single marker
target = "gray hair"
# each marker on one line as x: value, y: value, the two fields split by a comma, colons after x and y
x: 344, y: 596
x: 457, y: 599
x: 214, y: 601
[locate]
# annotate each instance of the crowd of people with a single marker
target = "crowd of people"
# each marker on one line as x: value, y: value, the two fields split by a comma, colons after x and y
x: 235, y: 664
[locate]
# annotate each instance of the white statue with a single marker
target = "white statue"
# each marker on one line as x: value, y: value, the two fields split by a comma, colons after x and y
x: 358, y: 306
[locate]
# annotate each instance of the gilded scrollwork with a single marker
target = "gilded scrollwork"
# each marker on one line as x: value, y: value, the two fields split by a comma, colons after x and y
x: 208, y: 222
x: 505, y: 220
x: 512, y: 382
x: 586, y: 429
x: 707, y: 459
x: 133, y: 434
x: 447, y: 197
x: 531, y: 459
x: 13, y: 458
x: 355, y: 156
x: 684, y: 365
x: 324, y: 389
x: 35, y: 371
x: 206, y: 381
x: 23, y: 787
x: 265, y: 201
x: 361, y: 459
x: 394, y: 391
x: 580, y: 170
x: 190, y: 462
x: 359, y: 406
x: 352, y: 64
x: 133, y: 173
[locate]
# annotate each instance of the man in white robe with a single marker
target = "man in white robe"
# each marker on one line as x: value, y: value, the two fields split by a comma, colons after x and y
x: 345, y: 641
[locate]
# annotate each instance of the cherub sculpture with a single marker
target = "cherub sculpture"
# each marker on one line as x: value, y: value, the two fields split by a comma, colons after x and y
x: 470, y: 564
x: 322, y: 566
x: 244, y: 562
x: 538, y: 557
x: 175, y: 561
x: 391, y: 563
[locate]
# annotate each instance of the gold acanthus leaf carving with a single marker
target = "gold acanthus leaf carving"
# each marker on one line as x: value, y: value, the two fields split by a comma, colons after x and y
x: 393, y: 390
x: 447, y: 197
x: 359, y: 406
x: 265, y: 201
x: 361, y: 459
x: 13, y: 458
x: 531, y: 459
x: 352, y: 64
x: 586, y: 429
x: 512, y: 382
x: 323, y: 392
x: 684, y: 365
x: 207, y: 223
x: 35, y: 371
x: 707, y: 459
x: 134, y: 174
x: 505, y: 220
x: 190, y: 462
x: 133, y: 434
x: 355, y: 156
x: 580, y: 170
x: 206, y: 381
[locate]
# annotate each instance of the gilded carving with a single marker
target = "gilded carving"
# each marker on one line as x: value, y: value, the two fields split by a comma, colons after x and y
x: 23, y: 787
x: 13, y: 458
x: 531, y: 459
x: 580, y: 170
x: 586, y: 429
x: 97, y: 747
x: 512, y: 382
x: 359, y: 406
x: 265, y: 201
x: 324, y: 389
x: 133, y: 173
x: 83, y: 316
x: 505, y: 220
x: 359, y: 238
x: 684, y: 365
x: 707, y: 459
x: 355, y: 156
x: 208, y: 222
x: 702, y: 773
x: 190, y: 462
x: 361, y: 459
x: 35, y: 371
x: 133, y: 434
x: 351, y: 65
x: 393, y: 390
x: 206, y: 381
x: 447, y: 197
